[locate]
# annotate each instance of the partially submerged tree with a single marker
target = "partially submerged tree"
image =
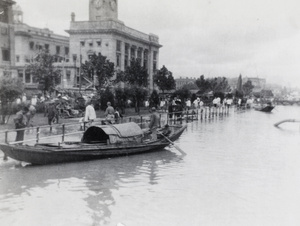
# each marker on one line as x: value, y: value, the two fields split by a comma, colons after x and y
x: 10, y: 89
x: 44, y: 72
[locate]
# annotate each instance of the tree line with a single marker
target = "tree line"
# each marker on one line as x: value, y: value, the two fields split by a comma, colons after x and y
x: 134, y: 79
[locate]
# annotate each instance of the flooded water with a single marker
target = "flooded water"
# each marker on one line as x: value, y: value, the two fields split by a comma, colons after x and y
x: 239, y: 170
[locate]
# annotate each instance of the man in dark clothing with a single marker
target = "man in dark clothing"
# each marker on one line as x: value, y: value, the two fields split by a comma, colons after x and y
x: 154, y: 123
x: 52, y: 113
x: 20, y: 122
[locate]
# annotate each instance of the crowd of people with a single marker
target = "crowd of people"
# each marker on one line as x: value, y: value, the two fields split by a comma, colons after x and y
x: 56, y: 107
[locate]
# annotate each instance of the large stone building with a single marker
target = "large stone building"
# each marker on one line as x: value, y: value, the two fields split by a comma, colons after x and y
x: 104, y: 33
x: 258, y: 83
x: 180, y: 82
x: 7, y: 37
x: 30, y: 41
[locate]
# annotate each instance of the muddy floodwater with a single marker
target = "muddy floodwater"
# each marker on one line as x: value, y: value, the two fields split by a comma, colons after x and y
x: 239, y: 170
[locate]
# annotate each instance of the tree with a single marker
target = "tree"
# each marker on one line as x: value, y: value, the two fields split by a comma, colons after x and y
x: 203, y: 85
x: 163, y: 78
x: 106, y: 96
x: 44, y: 72
x: 217, y: 84
x: 248, y: 88
x: 121, y: 97
x: 239, y: 86
x: 190, y: 86
x: 136, y: 78
x: 10, y: 89
x: 101, y: 67
x: 154, y: 99
x: 137, y: 95
x: 135, y: 74
x: 182, y: 93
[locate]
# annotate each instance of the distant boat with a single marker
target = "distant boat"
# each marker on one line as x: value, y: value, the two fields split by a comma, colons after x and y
x: 264, y: 107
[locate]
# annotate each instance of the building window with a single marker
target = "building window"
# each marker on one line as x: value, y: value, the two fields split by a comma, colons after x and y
x: 154, y: 66
x: 118, y: 46
x: 145, y: 59
x: 18, y: 58
x: 47, y: 47
x: 31, y: 45
x: 68, y: 74
x: 139, y: 55
x: 132, y: 53
x: 154, y: 55
x: 98, y: 43
x: 57, y: 50
x: 82, y: 43
x: 20, y: 75
x: 27, y: 76
x: 126, y: 49
x: 91, y: 44
x: 66, y: 50
x: 126, y: 61
x: 5, y: 55
x: 118, y: 60
x: 74, y: 57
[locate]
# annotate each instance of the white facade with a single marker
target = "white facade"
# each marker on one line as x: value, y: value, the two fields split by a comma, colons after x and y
x: 107, y: 35
x: 7, y: 49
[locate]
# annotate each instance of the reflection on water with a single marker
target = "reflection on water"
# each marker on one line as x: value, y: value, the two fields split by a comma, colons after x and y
x: 76, y: 193
x: 239, y: 170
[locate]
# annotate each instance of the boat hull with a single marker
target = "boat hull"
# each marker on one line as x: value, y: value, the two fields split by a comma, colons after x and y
x: 265, y: 108
x: 42, y: 155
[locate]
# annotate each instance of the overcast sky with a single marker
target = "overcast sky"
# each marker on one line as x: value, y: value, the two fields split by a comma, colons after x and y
x: 255, y: 38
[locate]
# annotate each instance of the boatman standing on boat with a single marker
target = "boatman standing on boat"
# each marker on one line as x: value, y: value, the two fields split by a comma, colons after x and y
x: 154, y: 123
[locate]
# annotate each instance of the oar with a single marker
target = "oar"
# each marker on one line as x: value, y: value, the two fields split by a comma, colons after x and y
x: 171, y: 142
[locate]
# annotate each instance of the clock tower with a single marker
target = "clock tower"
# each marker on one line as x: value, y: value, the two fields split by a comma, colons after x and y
x: 103, y: 9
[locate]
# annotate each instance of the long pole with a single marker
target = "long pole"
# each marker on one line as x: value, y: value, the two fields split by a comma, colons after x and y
x: 171, y: 142
x: 80, y: 59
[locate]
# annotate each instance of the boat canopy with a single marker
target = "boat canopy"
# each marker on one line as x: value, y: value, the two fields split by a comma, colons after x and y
x: 118, y: 133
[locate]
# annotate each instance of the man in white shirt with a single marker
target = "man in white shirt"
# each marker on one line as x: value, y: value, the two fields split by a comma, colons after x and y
x: 90, y: 114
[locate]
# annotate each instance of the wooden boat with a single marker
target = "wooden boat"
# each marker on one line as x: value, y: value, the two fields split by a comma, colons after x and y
x: 97, y: 142
x: 264, y: 107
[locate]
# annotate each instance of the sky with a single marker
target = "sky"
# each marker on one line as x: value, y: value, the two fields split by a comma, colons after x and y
x: 214, y: 38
